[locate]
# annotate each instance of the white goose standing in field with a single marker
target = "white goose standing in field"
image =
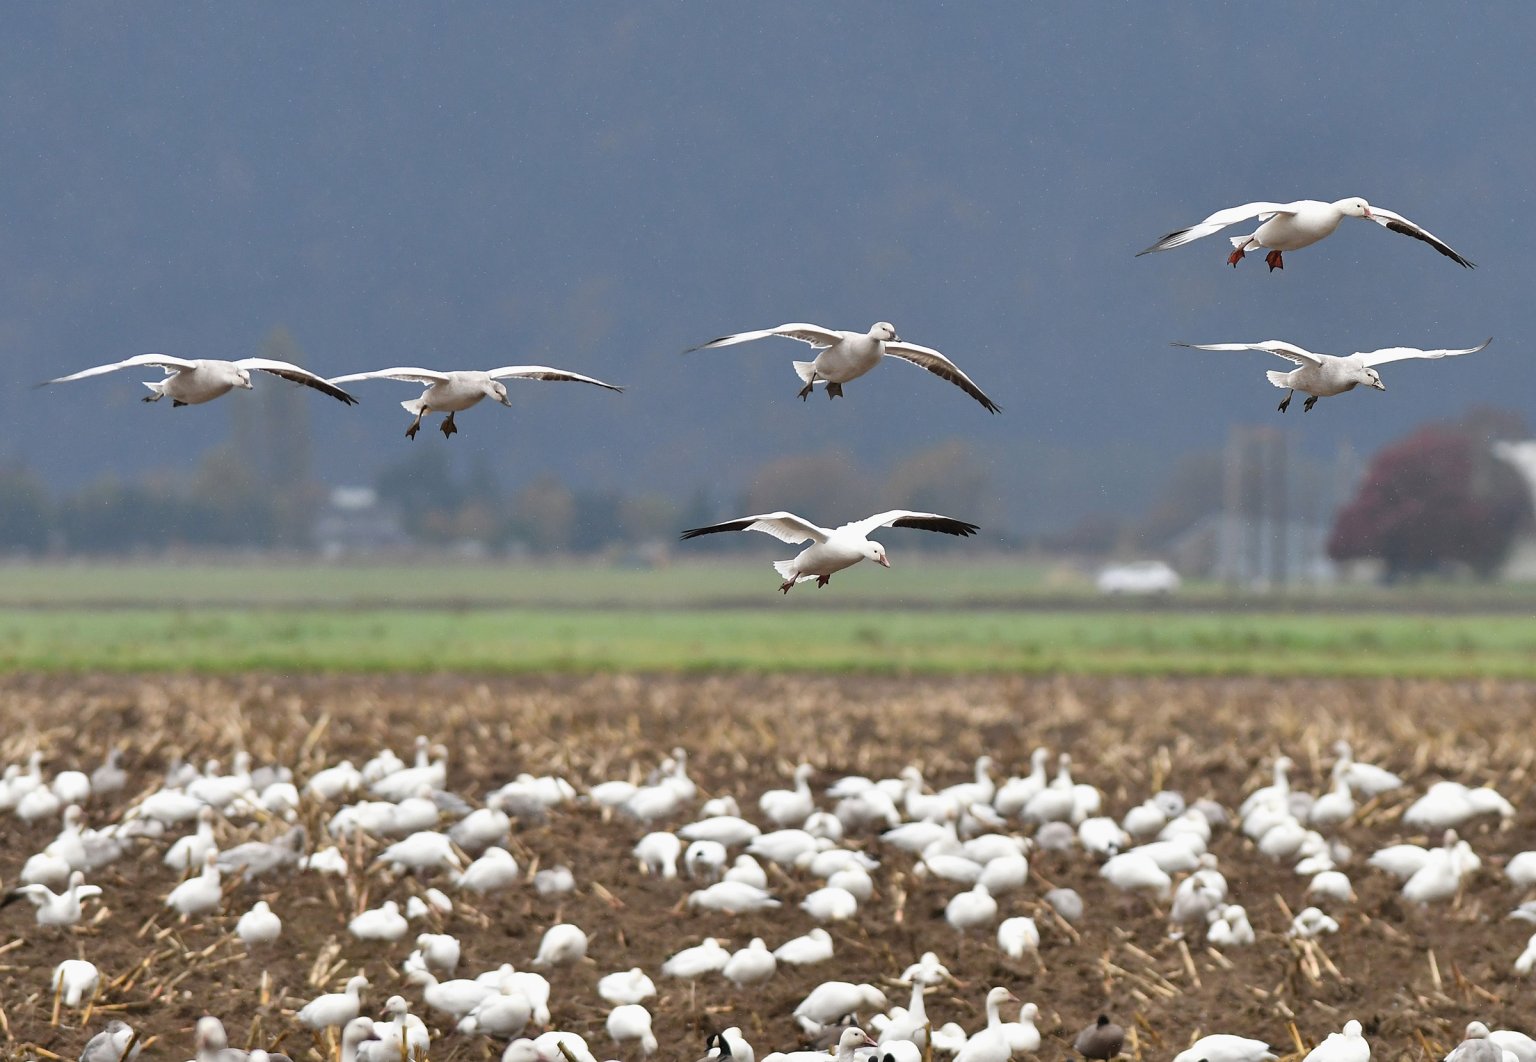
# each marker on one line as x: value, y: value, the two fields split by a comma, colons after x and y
x: 200, y: 894
x: 990, y: 1044
x: 189, y: 851
x: 455, y: 391
x: 75, y: 980
x: 832, y: 550
x: 1325, y: 375
x: 112, y: 1044
x: 1226, y: 1047
x: 1292, y: 226
x: 563, y: 944
x: 790, y: 807
x: 814, y: 947
x: 259, y: 925
x: 1346, y: 1046
x: 1366, y: 779
x: 632, y: 1022
x: 334, y: 1009
x: 626, y: 986
x: 55, y: 909
x: 191, y: 382
x: 844, y: 356
x: 910, y: 1023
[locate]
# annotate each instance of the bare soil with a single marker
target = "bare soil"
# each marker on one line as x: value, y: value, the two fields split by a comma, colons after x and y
x: 1414, y: 977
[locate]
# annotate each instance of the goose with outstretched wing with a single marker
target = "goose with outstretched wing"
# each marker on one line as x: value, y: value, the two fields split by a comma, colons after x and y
x: 193, y: 381
x: 832, y: 550
x: 1292, y: 226
x: 453, y: 392
x: 844, y: 356
x: 1323, y: 375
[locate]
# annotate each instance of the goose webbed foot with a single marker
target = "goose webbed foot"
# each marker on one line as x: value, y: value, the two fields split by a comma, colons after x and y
x: 834, y: 390
x: 822, y: 580
x: 1235, y: 257
x: 786, y: 586
x: 805, y: 392
x: 1274, y: 260
x: 449, y: 427
x: 1306, y: 407
x: 1285, y: 403
x: 410, y: 433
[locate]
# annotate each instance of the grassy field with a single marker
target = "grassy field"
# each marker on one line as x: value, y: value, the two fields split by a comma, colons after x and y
x: 924, y: 581
x: 932, y: 615
x: 224, y: 640
x: 918, y: 580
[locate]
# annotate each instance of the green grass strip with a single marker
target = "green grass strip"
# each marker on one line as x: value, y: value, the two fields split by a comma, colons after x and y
x: 223, y: 640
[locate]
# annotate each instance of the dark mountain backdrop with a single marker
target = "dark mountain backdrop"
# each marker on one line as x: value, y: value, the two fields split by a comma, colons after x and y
x: 598, y: 186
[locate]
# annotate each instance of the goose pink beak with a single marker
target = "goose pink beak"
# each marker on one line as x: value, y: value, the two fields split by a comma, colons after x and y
x: 883, y: 562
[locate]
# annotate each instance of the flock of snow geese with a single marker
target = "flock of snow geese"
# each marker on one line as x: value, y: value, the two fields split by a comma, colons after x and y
x: 841, y: 357
x: 395, y: 829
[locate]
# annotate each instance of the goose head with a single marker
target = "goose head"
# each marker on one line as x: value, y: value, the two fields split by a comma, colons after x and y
x: 1353, y: 208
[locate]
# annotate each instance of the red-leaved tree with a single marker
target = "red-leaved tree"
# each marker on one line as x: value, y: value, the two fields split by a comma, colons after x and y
x: 1435, y: 501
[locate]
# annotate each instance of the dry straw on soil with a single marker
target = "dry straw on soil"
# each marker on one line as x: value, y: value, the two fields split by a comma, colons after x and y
x: 1413, y: 977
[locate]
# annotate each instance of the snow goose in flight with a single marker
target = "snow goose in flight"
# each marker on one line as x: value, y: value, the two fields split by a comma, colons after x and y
x: 1292, y: 226
x: 454, y: 392
x: 193, y: 381
x: 832, y: 550
x: 844, y: 356
x: 1324, y: 375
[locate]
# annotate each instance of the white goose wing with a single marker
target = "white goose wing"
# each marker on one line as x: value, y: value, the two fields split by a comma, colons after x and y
x: 544, y: 372
x: 1386, y: 354
x: 786, y: 527
x: 940, y: 366
x: 1278, y: 347
x: 1218, y: 221
x: 946, y: 525
x: 164, y: 361
x: 289, y: 371
x: 404, y: 372
x: 1397, y: 223
x: 815, y: 335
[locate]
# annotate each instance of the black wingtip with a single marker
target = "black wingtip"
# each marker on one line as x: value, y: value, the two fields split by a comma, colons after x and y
x: 709, y: 343
x: 693, y: 532
x: 943, y: 525
x: 1161, y: 240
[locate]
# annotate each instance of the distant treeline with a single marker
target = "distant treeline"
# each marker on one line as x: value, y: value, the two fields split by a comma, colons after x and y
x: 430, y: 499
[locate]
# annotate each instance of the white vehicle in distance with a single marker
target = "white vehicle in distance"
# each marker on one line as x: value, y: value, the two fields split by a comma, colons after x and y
x: 1139, y: 577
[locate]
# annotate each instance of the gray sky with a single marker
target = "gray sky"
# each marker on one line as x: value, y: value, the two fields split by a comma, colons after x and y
x: 598, y: 186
